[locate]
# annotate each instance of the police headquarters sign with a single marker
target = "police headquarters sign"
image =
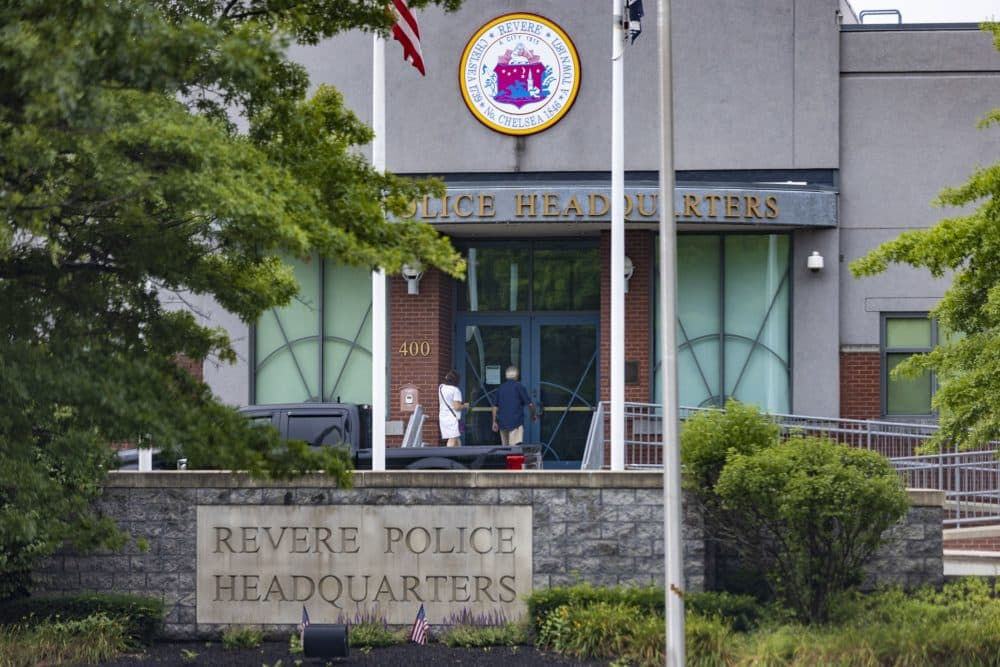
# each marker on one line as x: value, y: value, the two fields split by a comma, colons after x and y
x: 262, y: 564
x: 519, y: 74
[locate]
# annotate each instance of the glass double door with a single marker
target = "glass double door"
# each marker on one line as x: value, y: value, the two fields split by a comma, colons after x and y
x: 558, y: 362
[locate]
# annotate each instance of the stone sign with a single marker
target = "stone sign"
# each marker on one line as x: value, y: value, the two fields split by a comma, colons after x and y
x: 262, y: 564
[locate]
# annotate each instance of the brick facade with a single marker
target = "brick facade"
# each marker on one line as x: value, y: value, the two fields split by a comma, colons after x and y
x: 193, y: 366
x: 638, y: 314
x: 419, y: 318
x: 860, y: 385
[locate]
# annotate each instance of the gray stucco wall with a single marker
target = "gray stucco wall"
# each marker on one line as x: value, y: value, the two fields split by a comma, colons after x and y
x: 910, y: 101
x: 605, y: 528
x: 755, y: 87
x: 815, y: 359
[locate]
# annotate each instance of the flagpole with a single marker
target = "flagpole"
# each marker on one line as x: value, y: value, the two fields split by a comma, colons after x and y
x: 378, y: 275
x: 672, y: 518
x: 617, y: 241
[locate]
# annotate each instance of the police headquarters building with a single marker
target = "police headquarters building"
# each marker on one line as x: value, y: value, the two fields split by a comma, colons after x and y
x: 803, y: 139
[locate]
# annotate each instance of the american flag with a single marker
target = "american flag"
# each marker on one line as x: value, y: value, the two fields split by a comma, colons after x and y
x: 633, y: 18
x: 304, y: 624
x: 420, y: 627
x: 406, y: 32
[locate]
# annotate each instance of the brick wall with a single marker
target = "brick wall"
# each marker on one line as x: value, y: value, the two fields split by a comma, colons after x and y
x: 638, y: 316
x: 193, y: 366
x: 419, y: 318
x: 860, y: 378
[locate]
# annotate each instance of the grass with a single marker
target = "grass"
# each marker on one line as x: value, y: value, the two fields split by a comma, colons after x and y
x: 242, y: 638
x: 956, y: 626
x: 91, y: 640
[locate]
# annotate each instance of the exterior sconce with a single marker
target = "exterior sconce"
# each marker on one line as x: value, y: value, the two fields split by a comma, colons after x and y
x: 629, y: 270
x: 815, y: 261
x: 412, y: 273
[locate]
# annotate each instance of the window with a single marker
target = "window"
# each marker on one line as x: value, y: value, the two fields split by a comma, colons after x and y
x: 904, y: 335
x: 318, y: 347
x: 537, y: 276
x: 733, y: 320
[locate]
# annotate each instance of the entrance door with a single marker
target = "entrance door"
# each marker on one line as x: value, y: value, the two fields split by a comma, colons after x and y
x: 557, y: 356
x: 564, y: 368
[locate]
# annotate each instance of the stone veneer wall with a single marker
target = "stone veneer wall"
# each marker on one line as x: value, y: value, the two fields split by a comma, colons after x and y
x: 601, y: 527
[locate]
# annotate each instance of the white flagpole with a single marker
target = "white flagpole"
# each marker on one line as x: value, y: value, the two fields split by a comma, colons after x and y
x: 378, y: 276
x: 672, y: 517
x: 617, y: 361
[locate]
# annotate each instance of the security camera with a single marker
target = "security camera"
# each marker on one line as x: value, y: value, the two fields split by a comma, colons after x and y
x: 815, y: 261
x: 412, y: 273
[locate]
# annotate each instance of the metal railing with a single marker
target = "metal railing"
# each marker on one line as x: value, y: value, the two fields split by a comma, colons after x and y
x: 644, y: 434
x: 970, y: 480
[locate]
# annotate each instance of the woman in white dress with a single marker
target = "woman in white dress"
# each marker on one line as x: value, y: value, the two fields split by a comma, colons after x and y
x: 450, y: 408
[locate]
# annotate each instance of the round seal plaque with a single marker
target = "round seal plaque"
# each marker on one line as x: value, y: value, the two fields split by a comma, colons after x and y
x: 519, y: 74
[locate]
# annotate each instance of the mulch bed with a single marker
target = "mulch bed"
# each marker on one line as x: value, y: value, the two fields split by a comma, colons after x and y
x: 270, y: 653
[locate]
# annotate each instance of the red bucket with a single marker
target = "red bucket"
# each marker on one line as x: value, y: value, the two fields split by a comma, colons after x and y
x: 515, y: 462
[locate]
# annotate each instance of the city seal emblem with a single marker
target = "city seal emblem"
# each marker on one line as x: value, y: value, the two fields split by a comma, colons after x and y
x: 519, y: 74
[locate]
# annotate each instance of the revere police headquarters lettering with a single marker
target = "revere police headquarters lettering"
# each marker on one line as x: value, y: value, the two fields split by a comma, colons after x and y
x: 770, y: 207
x: 263, y: 563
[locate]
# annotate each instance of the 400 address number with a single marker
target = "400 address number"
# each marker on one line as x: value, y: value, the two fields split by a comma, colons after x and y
x: 415, y: 348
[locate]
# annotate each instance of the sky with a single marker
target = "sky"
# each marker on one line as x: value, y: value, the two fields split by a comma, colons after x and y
x: 932, y: 11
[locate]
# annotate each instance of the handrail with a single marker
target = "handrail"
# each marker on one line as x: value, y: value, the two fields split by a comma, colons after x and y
x: 970, y: 480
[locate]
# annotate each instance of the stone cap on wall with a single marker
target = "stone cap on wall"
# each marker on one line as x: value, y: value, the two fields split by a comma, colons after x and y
x: 442, y: 479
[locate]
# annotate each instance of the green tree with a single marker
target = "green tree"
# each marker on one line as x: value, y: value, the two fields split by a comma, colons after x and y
x: 152, y: 147
x: 810, y: 513
x: 967, y: 247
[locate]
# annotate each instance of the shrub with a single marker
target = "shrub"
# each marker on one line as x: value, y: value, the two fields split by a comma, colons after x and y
x: 810, y: 514
x: 473, y: 636
x: 374, y: 634
x: 242, y: 638
x: 91, y: 640
x: 596, y: 630
x: 708, y: 641
x: 741, y: 612
x: 471, y: 630
x: 709, y: 438
x: 648, y: 599
x: 143, y: 616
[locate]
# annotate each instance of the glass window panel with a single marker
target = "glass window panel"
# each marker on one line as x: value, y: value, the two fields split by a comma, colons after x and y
x: 758, y: 377
x: 908, y: 333
x: 497, y: 279
x: 698, y: 373
x: 567, y: 278
x: 488, y: 350
x: 347, y: 371
x: 289, y: 374
x: 698, y: 293
x: 569, y: 364
x: 756, y: 316
x: 300, y: 318
x: 755, y: 271
x: 286, y: 343
x: 906, y: 396
x: 753, y: 306
x: 573, y: 427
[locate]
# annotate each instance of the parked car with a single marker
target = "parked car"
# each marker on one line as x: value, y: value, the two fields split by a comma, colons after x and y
x: 349, y: 425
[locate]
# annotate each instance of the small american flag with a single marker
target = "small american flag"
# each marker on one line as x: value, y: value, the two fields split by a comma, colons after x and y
x: 304, y: 624
x: 633, y: 18
x: 420, y: 627
x: 406, y: 32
